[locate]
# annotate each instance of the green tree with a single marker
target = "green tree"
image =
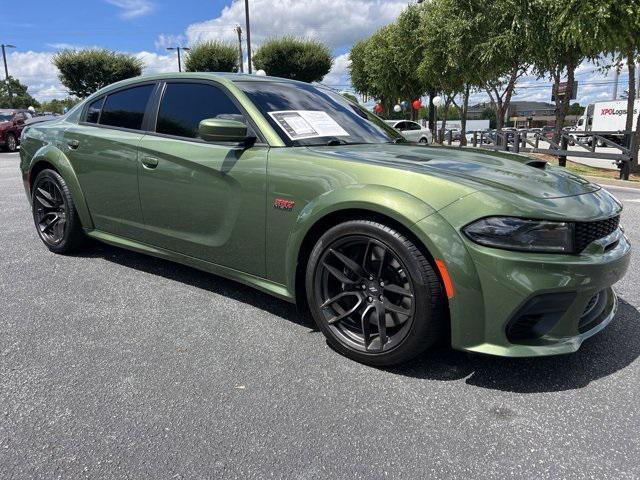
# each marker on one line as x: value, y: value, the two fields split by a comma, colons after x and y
x: 85, y: 71
x: 448, y: 40
x: 576, y: 109
x: 212, y: 56
x: 610, y: 27
x: 297, y: 59
x: 58, y: 106
x: 13, y: 94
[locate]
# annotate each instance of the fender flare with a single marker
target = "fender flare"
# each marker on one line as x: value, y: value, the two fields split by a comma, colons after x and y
x: 54, y: 156
x: 396, y: 204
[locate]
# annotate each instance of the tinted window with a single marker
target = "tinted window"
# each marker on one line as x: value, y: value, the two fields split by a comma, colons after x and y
x: 413, y: 126
x: 302, y: 113
x: 401, y: 126
x: 93, y: 112
x: 185, y: 105
x: 126, y: 108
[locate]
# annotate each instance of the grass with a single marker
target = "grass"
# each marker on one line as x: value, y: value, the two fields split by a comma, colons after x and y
x: 586, y: 170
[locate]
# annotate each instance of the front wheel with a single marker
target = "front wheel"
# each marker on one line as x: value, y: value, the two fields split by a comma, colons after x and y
x: 54, y: 213
x: 373, y: 293
x: 424, y: 141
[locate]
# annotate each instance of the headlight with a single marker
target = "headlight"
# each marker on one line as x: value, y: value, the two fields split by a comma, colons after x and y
x: 511, y: 233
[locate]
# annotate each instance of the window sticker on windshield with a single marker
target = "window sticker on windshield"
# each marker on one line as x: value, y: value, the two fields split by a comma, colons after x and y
x: 299, y: 124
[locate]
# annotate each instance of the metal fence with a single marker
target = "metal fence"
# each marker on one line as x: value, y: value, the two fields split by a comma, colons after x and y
x: 528, y: 141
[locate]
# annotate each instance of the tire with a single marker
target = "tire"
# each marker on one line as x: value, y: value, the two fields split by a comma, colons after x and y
x: 55, y: 215
x: 11, y: 143
x: 424, y: 141
x: 399, y: 286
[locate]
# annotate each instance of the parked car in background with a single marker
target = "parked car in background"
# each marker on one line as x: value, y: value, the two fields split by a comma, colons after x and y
x: 412, y: 131
x: 12, y: 122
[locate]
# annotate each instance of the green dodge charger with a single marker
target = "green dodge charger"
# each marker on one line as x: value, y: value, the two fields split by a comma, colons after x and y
x: 292, y: 189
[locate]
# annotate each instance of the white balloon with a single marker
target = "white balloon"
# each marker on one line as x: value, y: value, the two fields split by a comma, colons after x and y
x: 261, y: 73
x: 31, y: 109
x: 397, y: 108
x: 437, y: 101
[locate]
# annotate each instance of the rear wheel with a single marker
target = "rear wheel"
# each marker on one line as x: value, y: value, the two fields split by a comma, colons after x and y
x: 424, y: 140
x: 11, y: 142
x: 54, y: 213
x: 373, y: 293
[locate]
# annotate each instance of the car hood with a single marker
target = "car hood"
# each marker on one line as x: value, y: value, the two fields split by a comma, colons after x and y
x: 484, y: 169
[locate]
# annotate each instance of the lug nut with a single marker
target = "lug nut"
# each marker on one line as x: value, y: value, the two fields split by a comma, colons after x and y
x: 370, y: 299
x: 370, y: 278
x: 382, y: 284
x: 381, y: 297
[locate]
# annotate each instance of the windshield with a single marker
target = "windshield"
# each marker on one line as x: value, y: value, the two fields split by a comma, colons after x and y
x: 304, y: 114
x: 5, y: 117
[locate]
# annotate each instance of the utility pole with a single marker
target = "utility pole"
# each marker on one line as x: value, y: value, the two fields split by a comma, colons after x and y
x: 248, y: 26
x: 179, y: 60
x: 238, y: 30
x: 615, y: 84
x: 6, y: 71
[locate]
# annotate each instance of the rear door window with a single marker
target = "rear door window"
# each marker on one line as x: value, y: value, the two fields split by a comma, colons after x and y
x: 185, y: 105
x: 125, y: 109
x: 93, y: 112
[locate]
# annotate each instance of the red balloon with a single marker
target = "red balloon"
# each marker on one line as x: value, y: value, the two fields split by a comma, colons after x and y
x: 378, y: 108
x: 417, y: 104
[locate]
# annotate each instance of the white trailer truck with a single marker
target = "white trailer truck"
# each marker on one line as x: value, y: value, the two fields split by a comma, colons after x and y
x: 605, y: 117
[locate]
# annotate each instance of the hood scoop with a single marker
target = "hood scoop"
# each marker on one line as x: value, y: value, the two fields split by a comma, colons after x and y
x: 540, y: 164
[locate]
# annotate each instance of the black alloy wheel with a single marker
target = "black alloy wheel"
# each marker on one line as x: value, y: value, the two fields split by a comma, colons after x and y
x: 50, y: 211
x: 54, y: 213
x: 373, y: 294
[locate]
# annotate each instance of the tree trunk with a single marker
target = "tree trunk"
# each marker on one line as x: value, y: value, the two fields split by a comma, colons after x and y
x: 562, y: 106
x: 432, y: 114
x: 447, y: 104
x: 631, y: 98
x: 463, y: 116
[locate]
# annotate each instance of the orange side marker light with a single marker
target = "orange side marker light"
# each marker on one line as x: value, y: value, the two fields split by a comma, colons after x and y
x: 446, y: 279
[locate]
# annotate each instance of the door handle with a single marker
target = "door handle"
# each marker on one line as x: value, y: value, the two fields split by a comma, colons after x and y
x: 149, y: 162
x: 73, y: 144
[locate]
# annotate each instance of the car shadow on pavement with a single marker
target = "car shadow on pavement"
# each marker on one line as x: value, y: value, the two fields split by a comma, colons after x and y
x: 616, y: 347
x: 611, y: 350
x: 199, y: 279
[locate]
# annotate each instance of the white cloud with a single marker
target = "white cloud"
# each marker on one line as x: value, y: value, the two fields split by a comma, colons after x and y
x: 133, y: 8
x: 336, y: 22
x: 35, y: 70
x: 339, y: 74
x: 163, y: 41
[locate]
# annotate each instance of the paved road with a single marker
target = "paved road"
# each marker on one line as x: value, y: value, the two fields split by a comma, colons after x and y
x: 117, y: 365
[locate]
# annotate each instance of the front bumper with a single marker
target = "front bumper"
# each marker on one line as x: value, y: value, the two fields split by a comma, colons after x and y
x: 493, y: 287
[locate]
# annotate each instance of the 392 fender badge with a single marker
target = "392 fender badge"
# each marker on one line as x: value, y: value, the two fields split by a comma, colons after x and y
x: 283, y: 204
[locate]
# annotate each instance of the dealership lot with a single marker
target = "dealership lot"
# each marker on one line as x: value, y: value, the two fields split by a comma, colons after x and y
x: 114, y: 364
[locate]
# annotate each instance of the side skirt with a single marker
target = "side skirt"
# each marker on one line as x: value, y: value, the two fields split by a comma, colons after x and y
x: 260, y: 283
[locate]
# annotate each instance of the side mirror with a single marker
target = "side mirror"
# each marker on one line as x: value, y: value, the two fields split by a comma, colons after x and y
x: 220, y: 130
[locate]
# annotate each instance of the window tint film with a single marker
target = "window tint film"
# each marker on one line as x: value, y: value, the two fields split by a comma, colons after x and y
x: 185, y: 105
x: 126, y: 108
x: 93, y: 112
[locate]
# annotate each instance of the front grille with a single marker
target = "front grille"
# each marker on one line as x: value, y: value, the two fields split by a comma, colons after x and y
x: 587, y: 232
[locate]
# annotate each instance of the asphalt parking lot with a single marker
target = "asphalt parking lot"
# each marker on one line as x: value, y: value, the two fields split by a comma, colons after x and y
x: 118, y: 365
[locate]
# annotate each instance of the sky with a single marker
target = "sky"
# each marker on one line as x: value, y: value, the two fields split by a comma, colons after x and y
x: 146, y: 27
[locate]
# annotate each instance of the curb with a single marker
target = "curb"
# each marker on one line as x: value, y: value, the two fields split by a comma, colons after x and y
x: 612, y: 182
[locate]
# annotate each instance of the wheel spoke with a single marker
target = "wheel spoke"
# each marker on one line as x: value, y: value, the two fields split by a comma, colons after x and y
x: 382, y: 323
x: 366, y: 328
x: 350, y: 264
x: 45, y: 198
x: 338, y: 274
x: 392, y: 307
x: 398, y: 290
x: 345, y: 314
x: 47, y: 224
x: 382, y: 260
x: 338, y: 297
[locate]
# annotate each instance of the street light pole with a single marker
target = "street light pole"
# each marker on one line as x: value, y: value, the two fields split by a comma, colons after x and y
x: 248, y: 26
x: 179, y: 60
x: 6, y: 71
x: 238, y: 30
